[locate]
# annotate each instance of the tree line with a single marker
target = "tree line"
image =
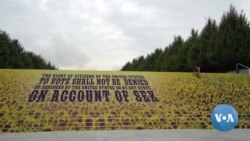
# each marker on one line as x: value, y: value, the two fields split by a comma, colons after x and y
x: 12, y: 55
x: 217, y: 48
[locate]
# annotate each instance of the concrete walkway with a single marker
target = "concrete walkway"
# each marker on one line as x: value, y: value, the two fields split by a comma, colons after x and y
x: 131, y: 135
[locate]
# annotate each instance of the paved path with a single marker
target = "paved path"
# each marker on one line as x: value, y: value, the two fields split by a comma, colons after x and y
x: 131, y: 135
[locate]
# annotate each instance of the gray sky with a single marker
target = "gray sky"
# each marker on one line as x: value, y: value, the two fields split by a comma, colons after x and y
x: 105, y: 34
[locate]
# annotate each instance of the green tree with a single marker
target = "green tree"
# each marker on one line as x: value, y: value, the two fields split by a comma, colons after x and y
x: 216, y: 49
x: 12, y: 55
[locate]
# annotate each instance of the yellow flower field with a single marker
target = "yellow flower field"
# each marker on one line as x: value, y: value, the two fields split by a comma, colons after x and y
x: 185, y: 102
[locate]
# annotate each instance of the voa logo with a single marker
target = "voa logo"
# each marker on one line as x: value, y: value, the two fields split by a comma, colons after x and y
x: 224, y: 117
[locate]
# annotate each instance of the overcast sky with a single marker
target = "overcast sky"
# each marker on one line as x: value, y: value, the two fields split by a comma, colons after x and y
x: 105, y: 34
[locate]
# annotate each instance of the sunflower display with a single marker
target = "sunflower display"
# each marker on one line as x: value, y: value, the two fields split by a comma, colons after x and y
x: 184, y: 102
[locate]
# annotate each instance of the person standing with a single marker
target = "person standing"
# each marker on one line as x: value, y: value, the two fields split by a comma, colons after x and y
x: 197, y: 70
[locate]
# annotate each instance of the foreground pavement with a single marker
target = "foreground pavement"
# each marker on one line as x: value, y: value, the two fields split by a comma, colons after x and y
x: 132, y: 135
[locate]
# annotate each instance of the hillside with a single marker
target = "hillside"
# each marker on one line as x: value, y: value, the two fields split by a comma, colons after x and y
x: 216, y: 48
x: 12, y: 55
x: 181, y: 101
